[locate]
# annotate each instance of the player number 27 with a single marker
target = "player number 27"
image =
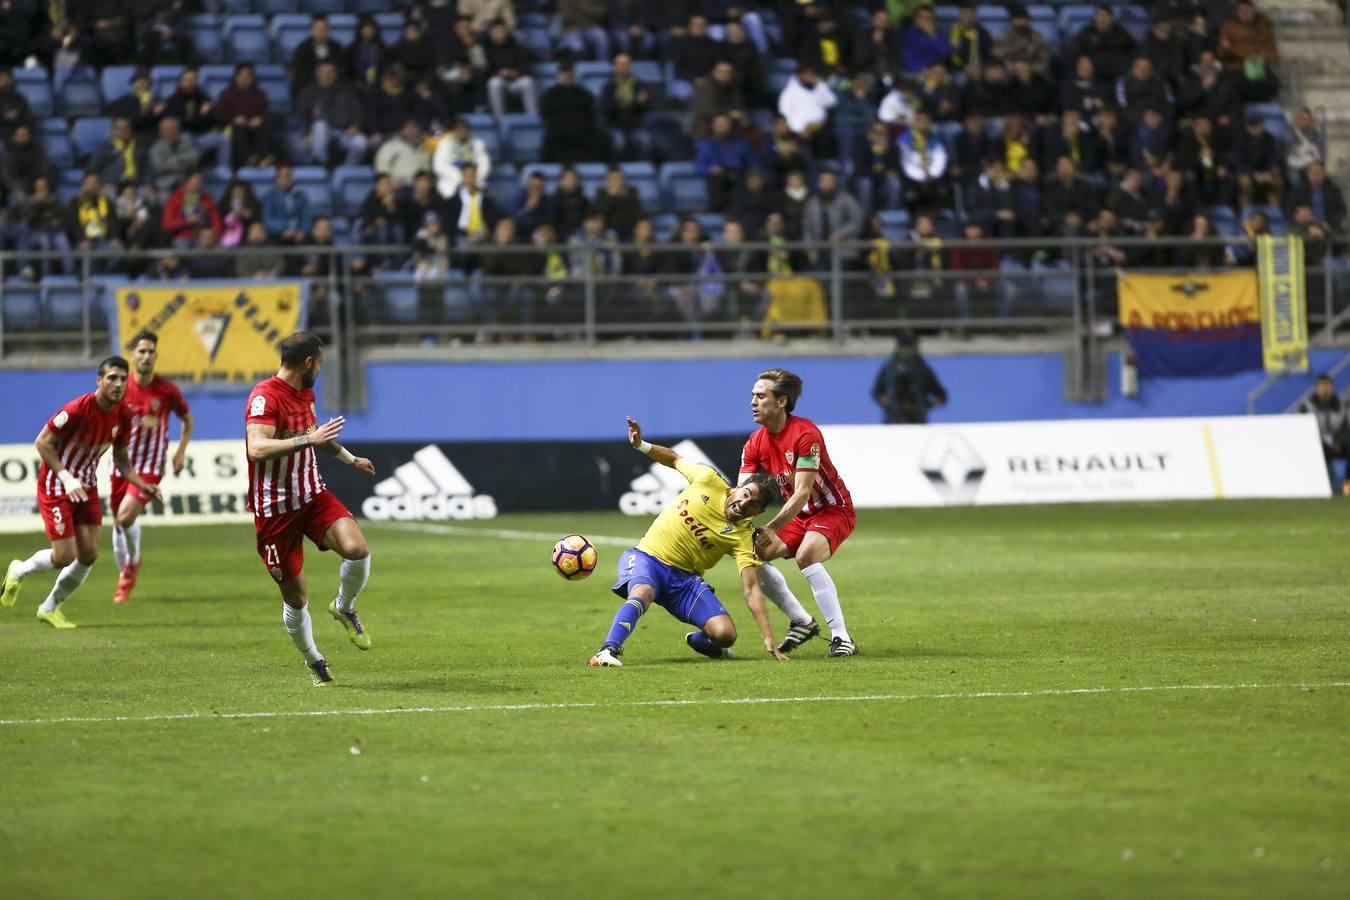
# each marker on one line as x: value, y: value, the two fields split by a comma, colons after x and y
x: 271, y: 555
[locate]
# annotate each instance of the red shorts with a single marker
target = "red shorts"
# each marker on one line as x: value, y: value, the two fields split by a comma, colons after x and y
x: 61, y: 514
x: 121, y: 488
x: 834, y: 522
x: 281, y: 538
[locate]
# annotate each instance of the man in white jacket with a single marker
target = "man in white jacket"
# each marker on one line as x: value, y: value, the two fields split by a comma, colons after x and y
x: 806, y: 102
x: 454, y: 150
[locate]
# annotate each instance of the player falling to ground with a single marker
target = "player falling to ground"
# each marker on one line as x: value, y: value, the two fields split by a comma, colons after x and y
x: 815, y: 519
x: 290, y: 502
x: 708, y: 520
x: 151, y: 399
x: 71, y: 444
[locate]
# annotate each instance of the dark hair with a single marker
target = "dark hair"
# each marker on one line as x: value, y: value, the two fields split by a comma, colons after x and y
x: 785, y: 384
x: 145, y: 334
x: 768, y: 488
x: 113, y: 362
x: 1324, y: 377
x: 299, y: 347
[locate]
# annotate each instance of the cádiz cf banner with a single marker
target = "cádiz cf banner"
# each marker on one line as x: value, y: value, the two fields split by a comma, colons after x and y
x: 213, y: 334
x: 1284, y: 305
x: 1192, y: 324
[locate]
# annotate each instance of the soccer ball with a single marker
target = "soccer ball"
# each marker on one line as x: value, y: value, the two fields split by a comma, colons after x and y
x: 574, y: 558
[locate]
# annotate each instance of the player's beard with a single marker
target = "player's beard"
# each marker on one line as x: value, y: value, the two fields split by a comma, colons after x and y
x: 308, y: 377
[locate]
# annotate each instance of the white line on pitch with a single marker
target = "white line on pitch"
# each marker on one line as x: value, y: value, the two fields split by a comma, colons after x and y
x: 739, y: 701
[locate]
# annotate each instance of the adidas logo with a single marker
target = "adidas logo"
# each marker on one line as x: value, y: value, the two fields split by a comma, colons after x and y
x: 652, y: 492
x: 427, y: 487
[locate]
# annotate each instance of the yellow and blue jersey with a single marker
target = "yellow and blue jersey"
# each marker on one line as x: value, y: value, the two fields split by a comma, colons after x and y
x: 693, y: 533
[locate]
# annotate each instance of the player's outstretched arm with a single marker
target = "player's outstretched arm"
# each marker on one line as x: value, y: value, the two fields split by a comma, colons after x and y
x: 122, y: 460
x: 50, y: 452
x: 754, y: 599
x: 263, y: 443
x: 655, y: 452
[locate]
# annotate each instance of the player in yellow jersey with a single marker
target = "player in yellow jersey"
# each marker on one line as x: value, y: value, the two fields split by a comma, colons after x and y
x: 708, y: 520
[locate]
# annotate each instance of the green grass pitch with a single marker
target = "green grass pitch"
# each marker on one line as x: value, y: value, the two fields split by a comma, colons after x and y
x: 1005, y: 750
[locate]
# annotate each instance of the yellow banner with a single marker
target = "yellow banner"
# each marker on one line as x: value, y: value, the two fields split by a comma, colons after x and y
x: 1189, y: 302
x: 223, y: 333
x: 1284, y: 304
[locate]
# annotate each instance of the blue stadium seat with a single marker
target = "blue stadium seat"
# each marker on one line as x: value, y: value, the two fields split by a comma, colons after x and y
x: 399, y: 293
x: 215, y: 78
x: 54, y: 135
x: 994, y: 18
x: 523, y: 136
x: 777, y: 74
x: 80, y: 97
x: 895, y: 224
x: 1073, y: 19
x: 391, y: 24
x: 342, y: 26
x: 638, y: 169
x: 272, y: 82
x: 287, y: 31
x: 1134, y: 19
x: 246, y: 38
x: 206, y: 40
x: 314, y: 181
x: 711, y: 223
x: 648, y: 189
x: 492, y: 142
x: 480, y: 122
x: 63, y: 302
x: 1049, y: 29
x: 648, y: 71
x: 535, y: 40
x: 592, y: 170
x: 275, y: 7
x: 550, y: 171
x: 503, y: 186
x: 164, y: 81
x: 669, y: 141
x: 592, y: 75
x: 86, y: 134
x: 115, y: 82
x: 260, y: 178
x: 664, y: 225
x: 217, y: 181
x: 351, y: 184
x: 71, y: 178
x: 1054, y: 291
x: 377, y: 7
x: 545, y: 73
x: 532, y: 20
x: 1278, y: 225
x: 685, y: 190
x: 22, y: 306
x: 37, y: 90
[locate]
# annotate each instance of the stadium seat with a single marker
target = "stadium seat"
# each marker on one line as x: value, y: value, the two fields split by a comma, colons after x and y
x: 895, y: 224
x: 592, y: 75
x: 1073, y: 19
x: 480, y: 122
x: 669, y: 141
x: 80, y: 97
x: 206, y: 41
x: 391, y: 24
x: 398, y: 292
x: 503, y: 186
x: 377, y: 7
x: 535, y: 40
x: 63, y: 302
x: 777, y: 74
x: 685, y: 190
x: 22, y: 305
x: 532, y: 20
x: 287, y: 31
x: 550, y: 171
x: 86, y: 134
x: 1135, y: 20
x: 592, y: 170
x: 214, y: 79
x: 994, y: 18
x: 648, y: 189
x: 314, y: 181
x: 342, y: 26
x: 164, y: 81
x: 545, y: 73
x: 115, y: 82
x: 351, y: 184
x: 54, y: 135
x: 246, y: 39
x: 272, y: 82
x: 638, y: 169
x: 217, y: 181
x: 492, y: 142
x: 664, y: 225
x: 523, y: 136
x: 711, y: 223
x: 275, y: 7
x: 648, y: 71
x: 1054, y: 291
x: 37, y: 90
x: 260, y: 178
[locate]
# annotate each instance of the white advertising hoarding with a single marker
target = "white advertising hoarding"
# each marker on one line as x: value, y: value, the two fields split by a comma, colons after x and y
x: 1079, y: 461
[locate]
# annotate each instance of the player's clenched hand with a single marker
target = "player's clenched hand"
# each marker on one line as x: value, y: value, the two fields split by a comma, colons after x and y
x: 763, y: 543
x: 634, y: 432
x: 364, y: 465
x: 327, y: 432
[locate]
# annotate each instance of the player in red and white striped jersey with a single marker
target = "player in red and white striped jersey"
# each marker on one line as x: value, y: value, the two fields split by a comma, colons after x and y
x: 291, y: 503
x: 71, y: 444
x: 151, y: 399
x: 817, y: 514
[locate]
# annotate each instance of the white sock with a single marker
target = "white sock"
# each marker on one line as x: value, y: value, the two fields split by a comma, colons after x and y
x: 40, y: 561
x: 775, y: 587
x: 133, y: 538
x: 352, y: 577
x: 827, y: 598
x: 71, y: 577
x: 301, y: 631
x: 120, y: 547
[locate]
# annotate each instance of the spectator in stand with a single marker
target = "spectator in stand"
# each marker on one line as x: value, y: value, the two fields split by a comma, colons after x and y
x: 483, y: 14
x: 1021, y: 42
x: 923, y: 158
x: 319, y: 47
x: 1316, y: 233
x: 1085, y: 92
x: 692, y: 56
x: 383, y: 215
x: 404, y: 155
x: 17, y: 33
x: 424, y: 200
x: 1333, y: 423
x: 623, y: 103
x: 927, y: 255
x: 1166, y: 50
x: 415, y: 53
x: 193, y: 109
x: 285, y: 209
x: 534, y: 207
x: 139, y: 106
x: 592, y: 246
x: 1106, y: 43
x: 743, y: 296
x: 1247, y: 48
x: 852, y: 117
x: 390, y: 105
x: 257, y: 257
x: 508, y: 65
x: 805, y: 103
x: 645, y: 264
x: 1017, y: 143
x: 367, y: 55
x: 1321, y: 195
x: 162, y: 36
x: 457, y: 149
x: 1129, y: 202
x: 939, y: 95
x: 1306, y: 143
x: 91, y: 216
x: 631, y: 23
x: 243, y: 108
x: 1199, y: 253
x: 970, y: 148
x: 823, y: 47
x: 188, y: 210
x: 108, y: 25
x: 470, y: 214
x: 832, y: 214
x: 992, y: 204
x: 1255, y: 224
x: 241, y: 212
x: 1174, y: 200
x: 972, y: 46
x: 1256, y: 160
x: 428, y: 107
x: 792, y: 204
x: 1152, y: 140
x: 1036, y: 97
x: 1142, y: 89
x: 14, y: 108
x: 741, y: 52
x: 721, y: 94
x: 22, y: 161
x: 508, y: 302
x: 568, y: 203
x: 877, y: 46
x: 923, y: 45
x: 570, y: 132
x: 1210, y: 91
x: 209, y: 265
x: 583, y: 26
x: 784, y: 152
x: 121, y: 157
x: 45, y: 228
x: 463, y: 70
x: 1108, y: 255
x: 172, y: 157
x: 1199, y: 157
x: 979, y: 292
x: 1027, y: 201
x: 1070, y: 200
x: 723, y: 158
x: 168, y: 268
x: 898, y: 104
x: 618, y: 202
x: 336, y: 117
x: 1113, y: 141
x: 1073, y: 138
x: 751, y: 202
x: 993, y: 94
x: 876, y: 169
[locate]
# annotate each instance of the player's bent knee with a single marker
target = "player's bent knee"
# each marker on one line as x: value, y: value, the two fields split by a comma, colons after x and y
x: 354, y: 550
x: 87, y: 559
x: 62, y: 559
x: 721, y: 631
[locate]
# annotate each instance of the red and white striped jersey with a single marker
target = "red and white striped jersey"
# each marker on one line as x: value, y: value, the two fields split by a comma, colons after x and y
x: 286, y: 484
x: 86, y: 432
x: 799, y: 447
x: 150, y: 405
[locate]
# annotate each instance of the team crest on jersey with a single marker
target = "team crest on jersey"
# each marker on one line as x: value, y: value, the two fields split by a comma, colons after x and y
x: 61, y: 419
x: 728, y: 529
x: 705, y: 497
x: 791, y: 457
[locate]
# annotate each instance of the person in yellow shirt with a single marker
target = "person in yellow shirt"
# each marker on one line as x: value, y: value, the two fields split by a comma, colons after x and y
x: 707, y: 521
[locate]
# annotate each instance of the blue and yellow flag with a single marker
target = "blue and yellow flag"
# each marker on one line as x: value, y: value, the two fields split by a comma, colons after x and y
x: 213, y: 334
x: 1192, y: 324
x: 1284, y: 304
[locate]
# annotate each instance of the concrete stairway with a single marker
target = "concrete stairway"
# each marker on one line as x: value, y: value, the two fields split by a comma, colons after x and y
x: 1315, y: 65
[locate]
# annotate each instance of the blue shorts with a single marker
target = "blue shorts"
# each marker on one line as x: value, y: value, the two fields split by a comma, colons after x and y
x: 684, y: 595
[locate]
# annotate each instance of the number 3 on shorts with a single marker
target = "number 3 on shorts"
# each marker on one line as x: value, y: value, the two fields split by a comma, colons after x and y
x: 56, y: 516
x: 271, y: 555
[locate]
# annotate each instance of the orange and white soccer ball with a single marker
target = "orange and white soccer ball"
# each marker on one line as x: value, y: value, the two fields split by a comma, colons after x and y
x: 574, y: 557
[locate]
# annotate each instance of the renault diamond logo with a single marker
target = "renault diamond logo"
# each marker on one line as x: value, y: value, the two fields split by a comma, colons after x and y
x: 952, y: 467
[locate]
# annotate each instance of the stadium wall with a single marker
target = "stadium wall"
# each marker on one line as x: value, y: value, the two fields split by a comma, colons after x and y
x: 586, y: 399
